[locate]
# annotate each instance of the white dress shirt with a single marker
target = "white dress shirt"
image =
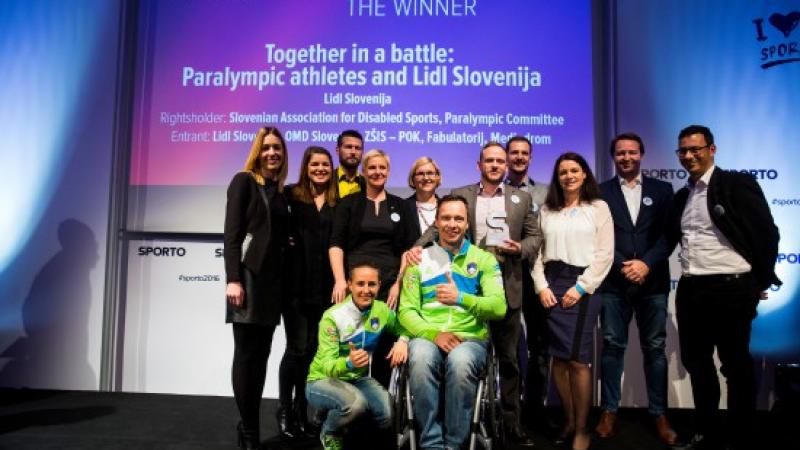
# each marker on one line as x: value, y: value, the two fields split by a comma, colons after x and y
x: 704, y: 249
x: 632, y: 194
x: 485, y: 205
x: 582, y: 236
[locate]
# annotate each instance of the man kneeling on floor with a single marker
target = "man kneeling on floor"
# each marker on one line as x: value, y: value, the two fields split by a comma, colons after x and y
x: 339, y: 386
x: 445, y: 303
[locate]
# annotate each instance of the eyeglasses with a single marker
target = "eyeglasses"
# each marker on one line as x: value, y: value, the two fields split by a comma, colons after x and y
x: 693, y: 150
x: 426, y: 174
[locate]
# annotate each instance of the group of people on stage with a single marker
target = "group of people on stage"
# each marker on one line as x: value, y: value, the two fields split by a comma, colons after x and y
x: 430, y: 280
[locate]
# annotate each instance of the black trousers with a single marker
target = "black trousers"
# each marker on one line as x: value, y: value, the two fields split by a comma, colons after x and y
x: 251, y: 346
x: 505, y: 338
x: 301, y: 325
x: 716, y: 312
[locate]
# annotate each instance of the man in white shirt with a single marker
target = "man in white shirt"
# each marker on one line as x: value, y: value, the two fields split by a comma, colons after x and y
x: 638, y: 284
x: 729, y: 245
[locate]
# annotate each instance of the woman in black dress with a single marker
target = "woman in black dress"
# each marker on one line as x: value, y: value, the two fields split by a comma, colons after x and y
x: 256, y: 241
x: 312, y: 202
x: 373, y: 227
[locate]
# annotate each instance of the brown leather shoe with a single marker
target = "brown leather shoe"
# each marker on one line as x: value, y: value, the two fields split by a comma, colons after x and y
x: 605, y: 428
x: 665, y: 431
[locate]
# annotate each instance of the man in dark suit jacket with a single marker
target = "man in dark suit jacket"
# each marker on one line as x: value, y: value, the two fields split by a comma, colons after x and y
x: 638, y: 283
x: 729, y: 244
x: 487, y: 199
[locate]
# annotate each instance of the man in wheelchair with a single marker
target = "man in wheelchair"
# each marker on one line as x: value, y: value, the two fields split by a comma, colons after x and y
x: 338, y: 385
x: 445, y: 303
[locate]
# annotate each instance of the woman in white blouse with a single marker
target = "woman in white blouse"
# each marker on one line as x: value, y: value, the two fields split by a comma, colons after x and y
x: 424, y: 177
x: 574, y: 259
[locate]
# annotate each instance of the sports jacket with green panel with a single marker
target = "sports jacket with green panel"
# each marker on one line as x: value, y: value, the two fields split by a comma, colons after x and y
x: 481, y: 297
x: 342, y: 324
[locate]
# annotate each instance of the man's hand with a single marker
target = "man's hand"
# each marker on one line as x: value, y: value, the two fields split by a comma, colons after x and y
x: 447, y: 293
x: 413, y: 256
x: 359, y: 358
x: 510, y: 247
x: 547, y: 298
x: 398, y: 354
x: 635, y: 270
x: 446, y: 341
x: 234, y: 292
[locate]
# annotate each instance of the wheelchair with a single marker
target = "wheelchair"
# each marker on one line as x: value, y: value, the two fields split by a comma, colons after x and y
x: 486, y: 426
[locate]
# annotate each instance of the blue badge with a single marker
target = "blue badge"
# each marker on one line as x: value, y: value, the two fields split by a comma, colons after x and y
x: 472, y: 268
x: 374, y: 323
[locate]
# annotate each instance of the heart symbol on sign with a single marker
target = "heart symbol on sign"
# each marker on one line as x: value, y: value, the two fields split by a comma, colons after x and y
x: 785, y: 24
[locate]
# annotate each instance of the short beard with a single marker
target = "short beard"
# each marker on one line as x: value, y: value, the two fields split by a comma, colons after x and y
x: 344, y: 163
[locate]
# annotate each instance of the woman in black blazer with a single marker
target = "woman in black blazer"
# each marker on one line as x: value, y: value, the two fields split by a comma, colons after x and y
x: 372, y: 227
x: 256, y: 241
x: 424, y: 177
x: 312, y: 202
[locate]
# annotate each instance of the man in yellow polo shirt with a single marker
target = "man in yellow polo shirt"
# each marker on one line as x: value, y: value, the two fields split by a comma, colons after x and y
x: 349, y: 146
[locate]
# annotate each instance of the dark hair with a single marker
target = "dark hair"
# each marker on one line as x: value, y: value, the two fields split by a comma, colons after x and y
x: 589, y: 189
x: 518, y: 138
x: 362, y: 266
x: 629, y: 136
x: 697, y: 129
x: 303, y: 190
x: 487, y: 145
x: 348, y: 133
x: 450, y: 198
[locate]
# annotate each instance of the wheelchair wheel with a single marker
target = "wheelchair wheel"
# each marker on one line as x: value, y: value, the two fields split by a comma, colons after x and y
x: 405, y: 436
x: 494, y: 408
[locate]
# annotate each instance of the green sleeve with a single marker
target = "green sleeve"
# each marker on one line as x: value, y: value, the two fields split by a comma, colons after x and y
x: 491, y: 304
x: 409, y: 312
x: 332, y: 365
x: 393, y: 324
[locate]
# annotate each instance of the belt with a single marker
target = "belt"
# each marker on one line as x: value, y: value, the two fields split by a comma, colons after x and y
x: 723, y: 277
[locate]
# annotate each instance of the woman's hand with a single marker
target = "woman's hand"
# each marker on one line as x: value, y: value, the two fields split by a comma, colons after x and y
x: 547, y: 298
x: 571, y: 297
x: 234, y: 293
x: 398, y: 354
x: 339, y: 292
x: 394, y: 294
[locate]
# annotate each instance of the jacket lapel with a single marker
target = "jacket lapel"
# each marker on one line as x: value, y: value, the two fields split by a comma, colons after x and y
x: 620, y: 204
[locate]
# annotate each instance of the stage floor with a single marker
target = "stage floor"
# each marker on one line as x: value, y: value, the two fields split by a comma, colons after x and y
x: 37, y: 419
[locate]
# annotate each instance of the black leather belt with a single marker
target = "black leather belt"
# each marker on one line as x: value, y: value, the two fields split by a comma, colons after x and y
x: 717, y: 277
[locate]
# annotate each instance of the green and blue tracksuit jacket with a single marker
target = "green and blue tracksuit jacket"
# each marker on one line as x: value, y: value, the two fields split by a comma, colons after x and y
x: 342, y: 324
x: 481, y: 297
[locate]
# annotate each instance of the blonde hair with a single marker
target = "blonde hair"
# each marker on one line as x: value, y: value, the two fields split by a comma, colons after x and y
x: 421, y: 162
x: 374, y: 153
x: 253, y: 162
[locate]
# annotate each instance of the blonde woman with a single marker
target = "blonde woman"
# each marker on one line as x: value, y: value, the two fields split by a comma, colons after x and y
x: 424, y: 177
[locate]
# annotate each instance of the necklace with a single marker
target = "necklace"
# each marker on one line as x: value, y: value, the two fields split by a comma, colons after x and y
x: 426, y: 211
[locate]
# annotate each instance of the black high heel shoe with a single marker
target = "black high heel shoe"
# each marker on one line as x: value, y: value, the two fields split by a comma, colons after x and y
x: 247, y: 439
x: 287, y: 425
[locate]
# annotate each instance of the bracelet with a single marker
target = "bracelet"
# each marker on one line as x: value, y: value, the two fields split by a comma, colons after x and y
x: 580, y: 289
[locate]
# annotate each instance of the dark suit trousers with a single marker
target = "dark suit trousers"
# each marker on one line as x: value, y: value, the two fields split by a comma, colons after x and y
x: 716, y: 311
x: 505, y: 338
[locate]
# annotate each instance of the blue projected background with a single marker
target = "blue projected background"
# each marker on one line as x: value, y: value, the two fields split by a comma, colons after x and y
x: 730, y: 66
